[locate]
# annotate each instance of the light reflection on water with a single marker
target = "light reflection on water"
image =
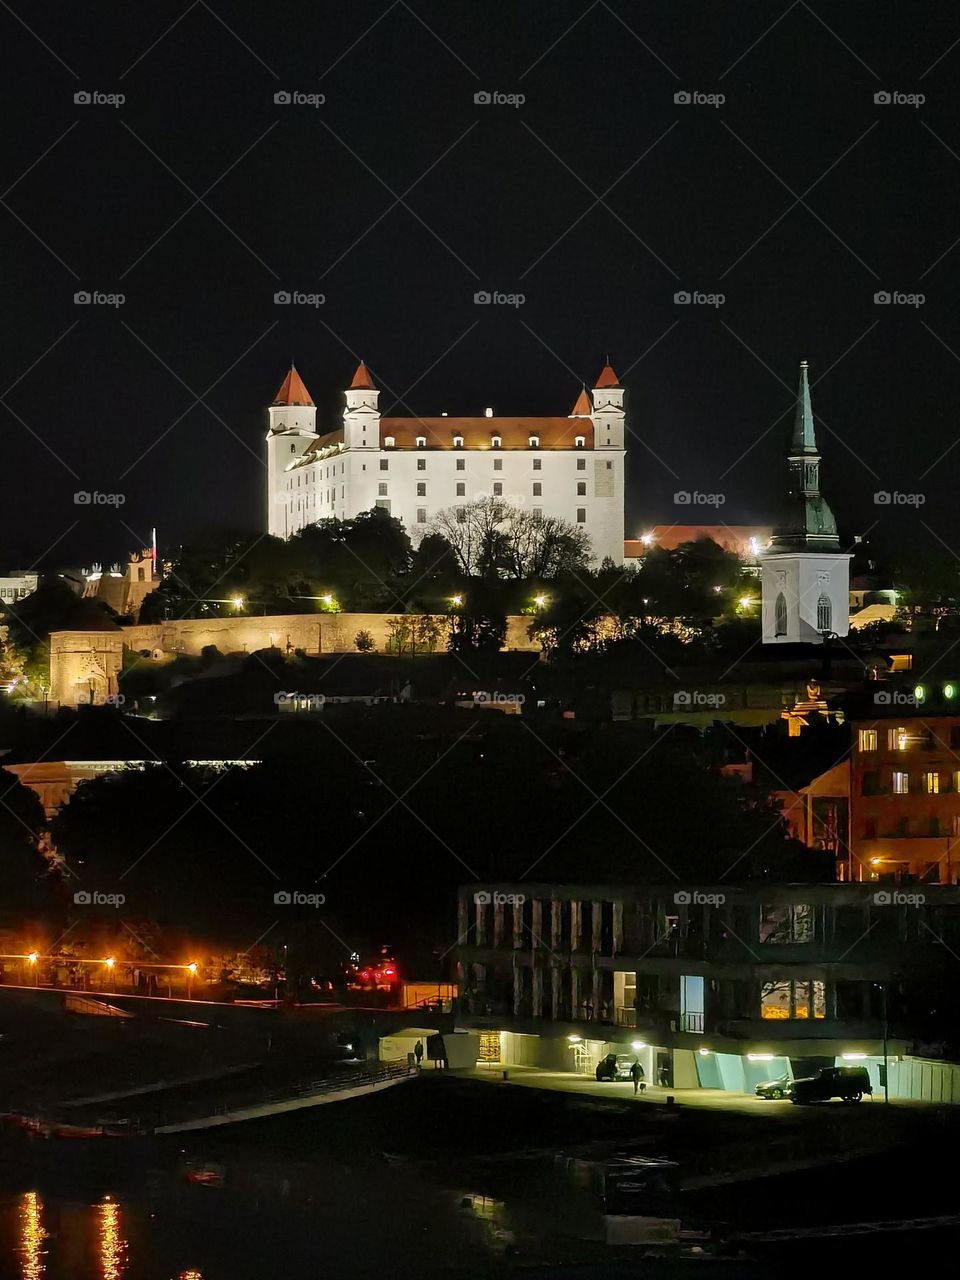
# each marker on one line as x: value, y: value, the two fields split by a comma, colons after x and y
x: 32, y: 1236
x: 113, y: 1247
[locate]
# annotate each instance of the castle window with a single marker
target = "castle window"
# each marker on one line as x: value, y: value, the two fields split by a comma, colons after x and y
x: 421, y: 442
x: 421, y: 515
x: 538, y: 464
x: 901, y: 783
x: 421, y: 490
x: 384, y: 464
x: 824, y: 612
x: 389, y: 442
x: 581, y: 464
x: 461, y: 515
x: 382, y: 489
x: 537, y: 488
x: 868, y: 739
x: 461, y: 464
x: 537, y: 513
x: 461, y: 490
x: 780, y: 615
x: 579, y: 441
x: 581, y: 488
x: 931, y: 783
x: 534, y: 442
x: 498, y: 464
x: 421, y: 464
x: 458, y: 442
x: 497, y: 489
x: 293, y: 448
x: 581, y: 515
x: 496, y: 442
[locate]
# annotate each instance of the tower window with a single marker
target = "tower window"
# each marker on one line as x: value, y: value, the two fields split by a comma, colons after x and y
x: 293, y: 448
x: 579, y: 441
x: 498, y: 464
x: 537, y: 488
x: 496, y: 442
x: 581, y: 464
x: 421, y: 442
x: 461, y: 464
x: 421, y: 464
x: 534, y: 442
x: 421, y: 515
x: 581, y: 515
x: 421, y: 490
x: 824, y: 613
x: 382, y: 488
x: 461, y: 490
x: 581, y: 488
x: 780, y: 615
x: 458, y: 442
x: 389, y: 441
x: 538, y: 464
x: 497, y: 489
x: 384, y: 464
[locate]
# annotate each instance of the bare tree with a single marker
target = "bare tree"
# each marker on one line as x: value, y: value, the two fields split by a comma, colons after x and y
x: 489, y: 536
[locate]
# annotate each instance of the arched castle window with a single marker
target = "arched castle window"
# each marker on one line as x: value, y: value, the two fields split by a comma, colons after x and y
x: 780, y: 615
x: 458, y: 442
x: 534, y: 442
x: 496, y: 442
x: 579, y: 442
x: 824, y: 613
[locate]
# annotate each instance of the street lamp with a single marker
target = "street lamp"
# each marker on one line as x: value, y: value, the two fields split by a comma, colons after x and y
x: 539, y: 601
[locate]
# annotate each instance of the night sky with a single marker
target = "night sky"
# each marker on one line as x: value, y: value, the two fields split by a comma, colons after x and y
x: 600, y: 197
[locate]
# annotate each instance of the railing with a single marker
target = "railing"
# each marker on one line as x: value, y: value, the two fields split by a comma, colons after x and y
x: 691, y: 1021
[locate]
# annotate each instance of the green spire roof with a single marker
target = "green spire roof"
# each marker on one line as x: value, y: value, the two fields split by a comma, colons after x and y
x: 804, y: 440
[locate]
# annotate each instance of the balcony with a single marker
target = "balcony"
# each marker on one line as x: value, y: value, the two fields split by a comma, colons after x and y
x: 691, y: 1022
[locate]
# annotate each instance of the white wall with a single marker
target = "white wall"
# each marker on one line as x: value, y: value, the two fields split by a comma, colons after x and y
x: 802, y: 577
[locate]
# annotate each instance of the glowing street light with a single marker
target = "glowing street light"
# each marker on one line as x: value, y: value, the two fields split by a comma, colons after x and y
x: 456, y: 601
x: 647, y: 539
x: 192, y: 967
x: 109, y: 962
x: 746, y: 601
x: 327, y: 598
x: 33, y: 956
x: 637, y: 1045
x: 540, y: 601
x: 237, y: 602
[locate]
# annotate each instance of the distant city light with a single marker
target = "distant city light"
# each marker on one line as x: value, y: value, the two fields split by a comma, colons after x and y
x: 919, y: 692
x: 949, y: 690
x: 759, y: 1057
x: 718, y: 589
x: 853, y: 1057
x: 638, y: 1044
x: 574, y: 1039
x: 704, y: 1052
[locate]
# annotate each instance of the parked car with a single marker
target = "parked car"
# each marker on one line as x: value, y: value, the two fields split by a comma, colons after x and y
x: 615, y: 1066
x: 847, y: 1083
x: 773, y: 1088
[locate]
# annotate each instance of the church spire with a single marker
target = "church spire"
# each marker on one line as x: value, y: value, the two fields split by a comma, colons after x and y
x: 804, y: 439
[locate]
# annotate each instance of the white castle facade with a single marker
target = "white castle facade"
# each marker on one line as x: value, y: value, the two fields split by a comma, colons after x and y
x: 569, y: 467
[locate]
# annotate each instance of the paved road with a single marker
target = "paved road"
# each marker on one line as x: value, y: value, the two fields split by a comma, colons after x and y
x: 710, y: 1099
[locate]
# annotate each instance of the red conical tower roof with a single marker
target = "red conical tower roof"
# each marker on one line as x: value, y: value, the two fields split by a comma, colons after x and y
x: 293, y: 392
x: 583, y: 408
x: 607, y: 377
x: 362, y: 380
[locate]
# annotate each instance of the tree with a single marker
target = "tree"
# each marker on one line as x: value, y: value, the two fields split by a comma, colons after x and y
x: 24, y: 873
x: 363, y: 642
x: 543, y: 546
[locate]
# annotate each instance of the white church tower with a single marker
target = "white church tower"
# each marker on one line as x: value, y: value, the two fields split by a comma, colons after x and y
x: 805, y: 577
x: 361, y: 414
x: 292, y: 429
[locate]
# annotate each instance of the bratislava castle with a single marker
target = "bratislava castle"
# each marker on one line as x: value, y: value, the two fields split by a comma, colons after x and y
x: 570, y: 467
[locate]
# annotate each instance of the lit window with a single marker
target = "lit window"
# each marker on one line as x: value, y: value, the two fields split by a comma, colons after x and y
x: 581, y: 515
x: 389, y: 442
x: 868, y: 739
x: 421, y: 490
x: 579, y: 441
x: 897, y: 739
x: 931, y: 783
x: 421, y: 442
x: 901, y: 783
x: 458, y: 442
x: 496, y: 442
x: 534, y: 442
x: 421, y: 515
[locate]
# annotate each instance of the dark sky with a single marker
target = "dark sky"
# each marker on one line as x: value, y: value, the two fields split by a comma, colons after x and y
x: 598, y: 198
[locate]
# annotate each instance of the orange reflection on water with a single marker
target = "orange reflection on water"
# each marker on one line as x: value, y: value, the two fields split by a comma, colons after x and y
x: 113, y: 1247
x: 32, y: 1236
x: 190, y: 1275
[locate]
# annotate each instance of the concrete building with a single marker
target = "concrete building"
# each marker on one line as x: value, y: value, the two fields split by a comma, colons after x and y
x: 568, y: 467
x: 14, y: 586
x: 805, y: 577
x: 712, y: 987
